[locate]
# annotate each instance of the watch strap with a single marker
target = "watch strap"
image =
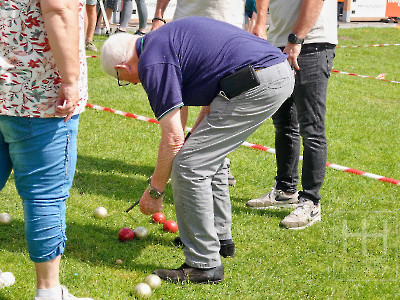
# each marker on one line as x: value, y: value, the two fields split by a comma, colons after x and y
x: 154, y: 193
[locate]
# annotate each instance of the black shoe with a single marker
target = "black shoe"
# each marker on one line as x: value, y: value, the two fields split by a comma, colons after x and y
x: 194, y: 275
x: 138, y: 32
x: 227, y: 247
x: 119, y: 30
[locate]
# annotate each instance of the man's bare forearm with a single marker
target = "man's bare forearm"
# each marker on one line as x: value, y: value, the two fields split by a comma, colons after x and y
x: 309, y: 13
x: 160, y: 8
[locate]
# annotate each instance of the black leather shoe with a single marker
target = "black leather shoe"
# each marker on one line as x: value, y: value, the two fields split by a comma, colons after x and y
x: 190, y: 274
x: 227, y: 247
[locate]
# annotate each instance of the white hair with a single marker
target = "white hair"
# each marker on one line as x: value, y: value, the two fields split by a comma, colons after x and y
x: 117, y: 49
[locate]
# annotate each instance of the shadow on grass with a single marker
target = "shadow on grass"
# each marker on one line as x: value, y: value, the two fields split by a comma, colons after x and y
x: 94, y: 245
x: 110, y: 177
x: 103, y: 176
x: 97, y: 245
x: 12, y: 237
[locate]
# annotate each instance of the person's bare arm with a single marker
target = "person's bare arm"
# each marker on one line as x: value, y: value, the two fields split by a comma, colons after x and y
x: 159, y: 13
x: 172, y: 139
x: 260, y: 26
x: 61, y: 22
x: 309, y: 13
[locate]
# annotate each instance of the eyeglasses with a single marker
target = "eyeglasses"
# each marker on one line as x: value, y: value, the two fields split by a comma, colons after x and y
x: 122, y: 82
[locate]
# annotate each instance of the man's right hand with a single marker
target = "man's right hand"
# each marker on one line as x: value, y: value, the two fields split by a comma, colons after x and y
x: 149, y: 205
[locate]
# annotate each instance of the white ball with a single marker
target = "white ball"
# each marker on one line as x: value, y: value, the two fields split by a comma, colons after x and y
x: 100, y: 212
x: 153, y: 281
x: 140, y: 232
x: 5, y: 218
x: 142, y: 290
x: 6, y: 279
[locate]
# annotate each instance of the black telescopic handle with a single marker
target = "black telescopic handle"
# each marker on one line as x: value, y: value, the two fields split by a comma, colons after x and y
x: 132, y: 206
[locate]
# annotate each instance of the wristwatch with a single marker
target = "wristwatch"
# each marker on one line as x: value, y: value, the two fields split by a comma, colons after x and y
x: 294, y: 39
x: 154, y: 193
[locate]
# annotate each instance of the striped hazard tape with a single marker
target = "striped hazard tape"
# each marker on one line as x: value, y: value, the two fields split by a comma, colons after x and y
x: 380, y: 77
x: 376, y: 45
x: 254, y: 146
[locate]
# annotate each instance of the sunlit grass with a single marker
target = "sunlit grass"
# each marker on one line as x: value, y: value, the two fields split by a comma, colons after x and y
x: 353, y: 253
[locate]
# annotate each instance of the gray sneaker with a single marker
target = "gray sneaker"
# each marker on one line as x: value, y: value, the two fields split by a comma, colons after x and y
x: 305, y: 214
x: 274, y: 199
x: 65, y: 295
x: 90, y: 46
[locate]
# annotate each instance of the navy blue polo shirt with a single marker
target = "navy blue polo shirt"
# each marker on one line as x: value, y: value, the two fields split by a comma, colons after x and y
x: 182, y: 62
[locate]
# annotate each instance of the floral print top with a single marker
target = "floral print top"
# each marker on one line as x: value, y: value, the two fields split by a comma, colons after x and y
x: 29, y: 79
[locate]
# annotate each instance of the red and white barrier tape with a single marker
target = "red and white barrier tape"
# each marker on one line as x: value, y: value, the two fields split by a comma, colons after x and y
x: 376, y: 45
x: 380, y: 77
x: 125, y: 114
x: 255, y: 146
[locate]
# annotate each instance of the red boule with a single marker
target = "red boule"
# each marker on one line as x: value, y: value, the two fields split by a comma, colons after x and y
x: 170, y: 226
x: 158, y: 217
x: 126, y: 234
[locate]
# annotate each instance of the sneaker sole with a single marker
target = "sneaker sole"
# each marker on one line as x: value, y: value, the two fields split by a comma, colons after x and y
x: 187, y: 281
x: 278, y: 206
x: 317, y: 219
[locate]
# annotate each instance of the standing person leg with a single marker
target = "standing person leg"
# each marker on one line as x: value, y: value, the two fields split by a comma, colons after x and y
x: 287, y: 151
x: 91, y: 12
x: 310, y: 99
x: 126, y: 14
x: 43, y: 154
x: 142, y: 12
x: 202, y: 156
x: 110, y: 7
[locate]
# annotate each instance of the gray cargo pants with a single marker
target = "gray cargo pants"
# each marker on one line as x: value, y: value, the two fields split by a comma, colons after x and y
x: 199, y: 174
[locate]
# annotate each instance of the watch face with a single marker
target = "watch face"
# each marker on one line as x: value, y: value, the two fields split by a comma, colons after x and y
x: 292, y: 38
x: 154, y: 193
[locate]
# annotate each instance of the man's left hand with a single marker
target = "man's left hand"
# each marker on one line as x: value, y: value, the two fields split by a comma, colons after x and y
x: 149, y: 205
x: 293, y: 50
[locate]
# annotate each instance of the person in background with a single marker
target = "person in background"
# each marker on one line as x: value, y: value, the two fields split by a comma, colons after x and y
x: 239, y: 80
x: 127, y: 13
x: 110, y: 6
x: 307, y: 31
x: 90, y: 24
x: 42, y: 92
x: 250, y: 14
x: 340, y: 10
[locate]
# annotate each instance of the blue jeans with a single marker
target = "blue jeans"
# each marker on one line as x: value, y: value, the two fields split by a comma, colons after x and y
x: 42, y: 152
x: 303, y: 114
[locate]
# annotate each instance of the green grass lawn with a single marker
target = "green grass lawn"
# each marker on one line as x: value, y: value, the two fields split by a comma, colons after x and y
x: 353, y: 253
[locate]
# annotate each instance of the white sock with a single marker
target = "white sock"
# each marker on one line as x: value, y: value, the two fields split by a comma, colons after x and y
x: 53, y: 293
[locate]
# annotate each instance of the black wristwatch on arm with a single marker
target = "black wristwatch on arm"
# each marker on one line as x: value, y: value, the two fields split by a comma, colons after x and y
x: 294, y: 39
x: 154, y: 193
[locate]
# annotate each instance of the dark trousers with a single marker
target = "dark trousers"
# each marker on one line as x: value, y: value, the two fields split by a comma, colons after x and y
x: 303, y: 114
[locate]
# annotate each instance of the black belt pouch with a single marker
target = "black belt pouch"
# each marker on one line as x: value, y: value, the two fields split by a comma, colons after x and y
x: 239, y: 82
